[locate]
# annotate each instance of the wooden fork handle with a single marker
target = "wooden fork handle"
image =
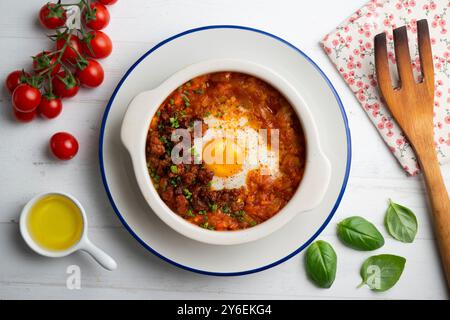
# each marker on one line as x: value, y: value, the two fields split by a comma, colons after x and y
x: 440, y: 204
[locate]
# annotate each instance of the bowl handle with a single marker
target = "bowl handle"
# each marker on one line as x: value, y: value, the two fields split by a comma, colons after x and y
x: 131, y: 130
x: 319, y: 176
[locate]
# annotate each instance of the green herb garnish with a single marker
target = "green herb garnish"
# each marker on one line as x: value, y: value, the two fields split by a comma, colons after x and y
x: 163, y: 140
x: 154, y: 176
x: 401, y: 222
x: 240, y: 213
x: 174, y: 122
x: 174, y: 169
x: 190, y: 213
x: 187, y: 193
x: 207, y: 226
x: 359, y: 234
x: 195, y: 154
x: 186, y: 100
x: 382, y: 272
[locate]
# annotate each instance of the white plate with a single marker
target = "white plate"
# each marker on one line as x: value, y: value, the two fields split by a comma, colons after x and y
x: 216, y: 42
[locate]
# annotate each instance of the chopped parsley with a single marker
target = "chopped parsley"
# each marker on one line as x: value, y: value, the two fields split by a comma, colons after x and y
x: 207, y: 226
x: 195, y: 154
x: 174, y: 169
x: 163, y: 139
x: 172, y: 102
x: 167, y: 144
x: 199, y: 91
x: 173, y: 182
x: 213, y: 207
x: 154, y: 176
x: 226, y: 209
x: 240, y: 213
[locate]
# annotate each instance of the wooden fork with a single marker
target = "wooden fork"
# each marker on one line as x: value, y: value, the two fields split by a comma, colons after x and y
x: 411, y: 104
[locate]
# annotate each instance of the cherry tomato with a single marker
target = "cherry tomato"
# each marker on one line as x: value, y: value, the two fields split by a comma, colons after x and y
x: 108, y: 2
x: 50, y: 106
x: 65, y: 85
x: 74, y: 46
x: 24, y: 116
x: 91, y: 75
x: 97, y: 45
x: 63, y: 145
x: 46, y: 60
x: 52, y: 16
x: 96, y: 16
x: 26, y: 98
x: 14, y: 79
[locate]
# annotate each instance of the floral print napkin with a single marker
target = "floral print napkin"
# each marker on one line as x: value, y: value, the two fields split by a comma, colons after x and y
x: 350, y: 48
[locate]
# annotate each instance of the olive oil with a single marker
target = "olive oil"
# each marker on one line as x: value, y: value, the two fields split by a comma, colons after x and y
x: 55, y: 223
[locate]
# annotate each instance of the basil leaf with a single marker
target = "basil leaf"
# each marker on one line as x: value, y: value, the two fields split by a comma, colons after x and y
x: 382, y: 272
x: 321, y: 263
x: 360, y: 234
x: 401, y: 222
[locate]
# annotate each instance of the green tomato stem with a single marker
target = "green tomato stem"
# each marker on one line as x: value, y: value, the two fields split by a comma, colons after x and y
x: 47, y: 73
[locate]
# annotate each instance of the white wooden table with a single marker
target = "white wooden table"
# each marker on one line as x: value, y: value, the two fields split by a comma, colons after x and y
x: 137, y: 25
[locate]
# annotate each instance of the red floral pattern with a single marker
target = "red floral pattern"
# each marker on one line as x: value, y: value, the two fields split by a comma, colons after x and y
x: 350, y: 47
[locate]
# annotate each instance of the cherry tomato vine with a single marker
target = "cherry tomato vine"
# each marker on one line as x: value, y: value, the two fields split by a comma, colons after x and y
x: 58, y: 73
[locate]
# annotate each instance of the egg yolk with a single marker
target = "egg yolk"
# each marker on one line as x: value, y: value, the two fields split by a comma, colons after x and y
x: 223, y: 157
